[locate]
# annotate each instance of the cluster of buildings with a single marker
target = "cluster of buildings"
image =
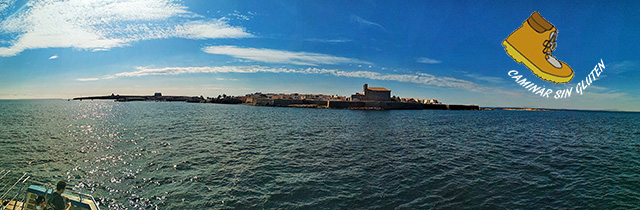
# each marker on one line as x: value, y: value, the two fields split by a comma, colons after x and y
x: 294, y: 96
x: 419, y: 100
x: 368, y: 94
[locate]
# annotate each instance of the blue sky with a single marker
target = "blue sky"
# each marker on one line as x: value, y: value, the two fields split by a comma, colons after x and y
x: 449, y: 50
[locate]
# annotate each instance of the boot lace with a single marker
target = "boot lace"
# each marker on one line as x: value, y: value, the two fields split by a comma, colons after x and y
x: 550, y: 45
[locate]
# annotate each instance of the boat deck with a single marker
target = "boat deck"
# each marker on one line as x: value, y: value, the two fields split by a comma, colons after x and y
x: 21, y: 193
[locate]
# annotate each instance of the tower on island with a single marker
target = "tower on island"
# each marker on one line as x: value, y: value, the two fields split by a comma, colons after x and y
x: 372, y: 94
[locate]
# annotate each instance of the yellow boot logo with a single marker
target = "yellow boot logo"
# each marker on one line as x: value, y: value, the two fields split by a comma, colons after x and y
x: 532, y: 45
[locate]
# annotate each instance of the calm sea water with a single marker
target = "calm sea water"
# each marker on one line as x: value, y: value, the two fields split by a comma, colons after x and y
x: 148, y: 155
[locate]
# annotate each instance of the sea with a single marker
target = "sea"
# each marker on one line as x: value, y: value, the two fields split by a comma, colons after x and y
x: 174, y: 155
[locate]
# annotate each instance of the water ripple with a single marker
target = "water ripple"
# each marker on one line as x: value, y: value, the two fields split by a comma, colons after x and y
x: 206, y: 156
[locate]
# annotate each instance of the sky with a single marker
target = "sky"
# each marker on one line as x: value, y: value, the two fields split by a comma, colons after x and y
x: 448, y: 50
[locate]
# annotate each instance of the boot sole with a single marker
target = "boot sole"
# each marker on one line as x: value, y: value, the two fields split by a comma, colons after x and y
x: 518, y: 57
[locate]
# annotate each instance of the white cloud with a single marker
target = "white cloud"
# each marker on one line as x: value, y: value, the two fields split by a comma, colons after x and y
x: 427, y: 60
x: 4, y: 4
x: 103, y: 24
x: 144, y: 71
x: 419, y: 78
x: 209, y: 30
x: 225, y: 79
x: 53, y: 57
x: 87, y: 79
x: 279, y: 56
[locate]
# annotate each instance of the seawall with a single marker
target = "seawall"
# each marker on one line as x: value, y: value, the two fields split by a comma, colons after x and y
x: 384, y: 105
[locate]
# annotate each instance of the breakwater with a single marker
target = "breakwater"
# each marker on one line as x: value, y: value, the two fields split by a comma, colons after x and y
x: 381, y: 105
x: 155, y: 97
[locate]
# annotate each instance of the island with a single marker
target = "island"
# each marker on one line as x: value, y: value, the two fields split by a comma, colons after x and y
x: 371, y: 98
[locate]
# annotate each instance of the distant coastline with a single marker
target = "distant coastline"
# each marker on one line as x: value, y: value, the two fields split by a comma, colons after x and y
x: 493, y: 108
x: 260, y: 99
x: 378, y: 99
x: 371, y: 98
x: 526, y: 109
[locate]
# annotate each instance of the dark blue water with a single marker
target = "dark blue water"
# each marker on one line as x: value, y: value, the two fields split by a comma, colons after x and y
x: 148, y: 155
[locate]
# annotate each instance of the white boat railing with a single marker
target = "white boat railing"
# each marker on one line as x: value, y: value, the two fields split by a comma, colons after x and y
x: 4, y: 198
x: 9, y: 195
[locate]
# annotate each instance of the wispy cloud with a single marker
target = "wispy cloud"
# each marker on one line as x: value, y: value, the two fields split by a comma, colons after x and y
x: 226, y: 79
x: 207, y: 29
x: 53, y: 57
x: 603, y: 92
x: 280, y: 56
x: 598, y: 88
x: 418, y: 78
x: 363, y: 22
x: 427, y: 60
x: 490, y: 79
x: 606, y: 95
x: 87, y: 79
x: 328, y: 40
x: 624, y: 66
x: 144, y: 71
x: 239, y: 16
x: 4, y: 4
x: 104, y: 24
